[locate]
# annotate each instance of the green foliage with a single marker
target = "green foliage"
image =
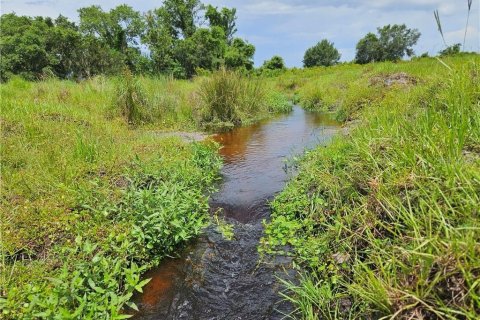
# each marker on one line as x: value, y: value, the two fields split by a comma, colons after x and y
x: 34, y: 47
x: 90, y: 203
x: 322, y: 54
x: 180, y: 17
x: 450, y: 50
x: 368, y: 49
x: 130, y: 99
x: 107, y: 42
x: 224, y: 228
x: 392, y: 43
x: 224, y: 19
x: 229, y: 99
x: 179, y: 47
x: 275, y: 63
x: 383, y: 222
x: 239, y: 55
x: 278, y: 102
x: 119, y: 29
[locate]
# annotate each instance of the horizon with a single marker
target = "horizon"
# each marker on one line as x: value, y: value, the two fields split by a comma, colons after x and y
x: 288, y: 28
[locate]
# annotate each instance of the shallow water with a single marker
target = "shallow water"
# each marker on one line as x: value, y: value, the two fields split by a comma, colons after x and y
x: 215, y: 278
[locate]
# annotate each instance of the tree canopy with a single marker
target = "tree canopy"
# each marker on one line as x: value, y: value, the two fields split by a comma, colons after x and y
x: 392, y: 43
x: 322, y: 54
x: 178, y: 38
x: 275, y: 63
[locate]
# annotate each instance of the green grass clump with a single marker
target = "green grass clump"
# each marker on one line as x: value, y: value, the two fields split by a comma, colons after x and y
x: 89, y: 202
x: 228, y: 99
x: 278, y: 102
x: 384, y: 223
x: 130, y: 99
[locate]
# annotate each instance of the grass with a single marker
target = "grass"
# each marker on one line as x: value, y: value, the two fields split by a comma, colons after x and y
x: 229, y: 99
x: 92, y: 197
x: 89, y: 202
x: 384, y: 223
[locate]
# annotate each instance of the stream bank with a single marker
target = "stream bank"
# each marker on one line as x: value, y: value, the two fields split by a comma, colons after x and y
x: 217, y: 278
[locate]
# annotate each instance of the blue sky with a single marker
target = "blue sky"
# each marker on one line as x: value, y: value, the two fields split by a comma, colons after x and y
x: 289, y: 27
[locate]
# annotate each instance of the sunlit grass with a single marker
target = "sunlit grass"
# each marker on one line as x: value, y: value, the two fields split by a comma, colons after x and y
x: 384, y: 222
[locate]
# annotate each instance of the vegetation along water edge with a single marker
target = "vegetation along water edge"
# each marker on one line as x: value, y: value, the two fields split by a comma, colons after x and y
x: 384, y: 222
x: 105, y: 172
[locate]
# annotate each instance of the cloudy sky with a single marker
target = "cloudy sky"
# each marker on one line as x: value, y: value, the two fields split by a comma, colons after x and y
x: 289, y: 27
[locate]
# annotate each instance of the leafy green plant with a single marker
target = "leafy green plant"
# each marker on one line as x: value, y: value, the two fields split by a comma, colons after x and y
x: 278, y: 102
x: 225, y: 228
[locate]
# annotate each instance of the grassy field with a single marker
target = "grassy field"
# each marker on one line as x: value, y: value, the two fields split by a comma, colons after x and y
x: 92, y: 196
x: 384, y: 222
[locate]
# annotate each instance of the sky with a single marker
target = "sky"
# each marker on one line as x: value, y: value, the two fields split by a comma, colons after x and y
x: 289, y: 27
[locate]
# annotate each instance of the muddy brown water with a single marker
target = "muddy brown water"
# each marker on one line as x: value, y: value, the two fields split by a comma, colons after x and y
x: 215, y: 278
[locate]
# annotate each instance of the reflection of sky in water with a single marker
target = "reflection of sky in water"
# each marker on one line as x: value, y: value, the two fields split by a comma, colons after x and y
x: 255, y: 155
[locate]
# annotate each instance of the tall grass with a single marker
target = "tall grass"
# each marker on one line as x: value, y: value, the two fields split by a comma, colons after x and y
x: 131, y: 100
x: 228, y: 99
x: 384, y: 222
x: 88, y: 201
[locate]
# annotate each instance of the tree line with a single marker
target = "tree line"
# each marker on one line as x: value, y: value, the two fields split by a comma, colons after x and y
x: 181, y: 38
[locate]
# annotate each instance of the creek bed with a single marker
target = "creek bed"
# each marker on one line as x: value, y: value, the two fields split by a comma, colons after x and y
x: 215, y: 278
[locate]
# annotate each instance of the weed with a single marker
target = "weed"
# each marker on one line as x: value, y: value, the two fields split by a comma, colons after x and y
x: 224, y: 227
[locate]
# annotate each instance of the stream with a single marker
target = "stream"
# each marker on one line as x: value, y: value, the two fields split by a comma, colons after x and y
x: 215, y: 278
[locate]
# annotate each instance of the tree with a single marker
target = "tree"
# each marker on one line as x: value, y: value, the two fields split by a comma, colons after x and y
x: 204, y: 49
x: 322, y: 54
x: 397, y: 41
x: 275, y: 63
x: 239, y: 55
x: 179, y: 44
x: 180, y: 17
x: 392, y: 44
x: 121, y: 29
x: 24, y: 46
x: 105, y: 42
x: 224, y: 19
x: 368, y: 49
x: 451, y: 50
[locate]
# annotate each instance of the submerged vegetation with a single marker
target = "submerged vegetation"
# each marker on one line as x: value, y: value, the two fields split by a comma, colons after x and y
x: 384, y: 222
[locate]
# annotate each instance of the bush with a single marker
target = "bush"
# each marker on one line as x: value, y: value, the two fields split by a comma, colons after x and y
x: 278, y: 102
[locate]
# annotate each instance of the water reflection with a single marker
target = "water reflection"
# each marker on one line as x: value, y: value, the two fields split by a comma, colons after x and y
x: 255, y: 155
x: 221, y: 279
